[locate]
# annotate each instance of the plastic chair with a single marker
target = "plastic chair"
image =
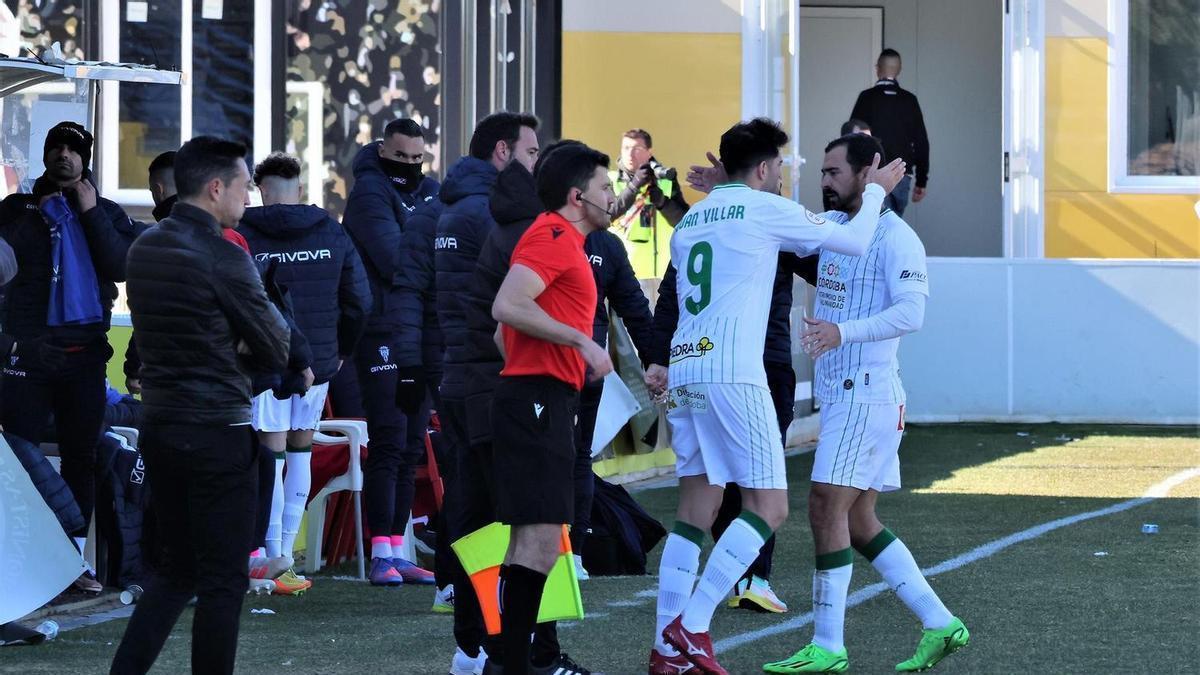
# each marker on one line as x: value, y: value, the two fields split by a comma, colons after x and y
x: 354, y: 436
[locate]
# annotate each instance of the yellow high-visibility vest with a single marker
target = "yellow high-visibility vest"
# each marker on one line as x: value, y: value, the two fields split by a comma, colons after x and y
x: 648, y: 244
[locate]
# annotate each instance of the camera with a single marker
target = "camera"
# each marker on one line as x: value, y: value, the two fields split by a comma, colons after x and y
x: 661, y: 172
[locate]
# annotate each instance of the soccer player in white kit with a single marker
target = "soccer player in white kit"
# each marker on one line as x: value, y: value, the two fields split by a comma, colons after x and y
x: 722, y: 419
x: 864, y: 304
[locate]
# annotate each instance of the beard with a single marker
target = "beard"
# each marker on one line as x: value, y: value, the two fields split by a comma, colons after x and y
x: 830, y: 200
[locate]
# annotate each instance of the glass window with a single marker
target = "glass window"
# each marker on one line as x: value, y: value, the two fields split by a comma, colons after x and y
x: 1164, y: 88
x: 148, y: 113
x: 223, y: 71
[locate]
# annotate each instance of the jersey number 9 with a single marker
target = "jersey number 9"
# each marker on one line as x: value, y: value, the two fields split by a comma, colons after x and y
x: 699, y: 273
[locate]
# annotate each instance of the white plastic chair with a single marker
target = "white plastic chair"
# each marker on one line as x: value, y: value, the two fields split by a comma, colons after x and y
x: 353, y: 432
x: 130, y: 434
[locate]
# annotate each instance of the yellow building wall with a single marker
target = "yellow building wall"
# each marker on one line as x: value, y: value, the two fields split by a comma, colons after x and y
x: 687, y: 93
x: 1083, y: 219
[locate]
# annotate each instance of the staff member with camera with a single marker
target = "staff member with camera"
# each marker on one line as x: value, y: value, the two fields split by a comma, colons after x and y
x: 649, y: 204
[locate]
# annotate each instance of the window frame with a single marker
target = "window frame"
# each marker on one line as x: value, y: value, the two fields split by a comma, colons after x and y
x: 1119, y: 178
x: 110, y: 49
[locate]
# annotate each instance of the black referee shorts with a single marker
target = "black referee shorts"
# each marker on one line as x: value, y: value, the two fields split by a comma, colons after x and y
x: 533, y: 450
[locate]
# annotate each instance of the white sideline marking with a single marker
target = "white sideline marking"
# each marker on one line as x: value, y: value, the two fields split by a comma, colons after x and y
x: 1157, y: 491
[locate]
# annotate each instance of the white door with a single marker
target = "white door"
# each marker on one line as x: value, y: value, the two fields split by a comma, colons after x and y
x: 838, y: 48
x: 1023, y: 124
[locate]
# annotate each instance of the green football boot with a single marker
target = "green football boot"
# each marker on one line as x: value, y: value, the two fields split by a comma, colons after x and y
x: 936, y: 645
x: 811, y: 659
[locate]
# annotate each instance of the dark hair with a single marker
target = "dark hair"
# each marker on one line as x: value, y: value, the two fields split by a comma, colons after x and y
x: 569, y: 166
x: 278, y: 164
x: 162, y: 163
x: 748, y: 143
x: 550, y: 149
x: 887, y: 53
x: 406, y: 127
x: 849, y: 126
x: 500, y: 126
x: 204, y: 158
x: 640, y: 134
x: 860, y: 150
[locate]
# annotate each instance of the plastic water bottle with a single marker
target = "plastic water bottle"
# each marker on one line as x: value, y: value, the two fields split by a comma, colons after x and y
x: 131, y: 594
x: 49, y: 628
x: 1149, y: 528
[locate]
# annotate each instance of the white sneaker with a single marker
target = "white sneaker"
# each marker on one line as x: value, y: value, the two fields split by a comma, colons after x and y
x: 465, y: 665
x: 443, y: 600
x: 261, y: 587
x: 580, y: 572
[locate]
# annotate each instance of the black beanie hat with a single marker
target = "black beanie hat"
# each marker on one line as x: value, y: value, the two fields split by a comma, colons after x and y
x: 72, y: 135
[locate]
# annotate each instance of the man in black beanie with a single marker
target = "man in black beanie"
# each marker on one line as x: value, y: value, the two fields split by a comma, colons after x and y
x: 70, y: 247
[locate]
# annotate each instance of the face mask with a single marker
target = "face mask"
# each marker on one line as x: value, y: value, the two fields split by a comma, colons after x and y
x: 405, y: 175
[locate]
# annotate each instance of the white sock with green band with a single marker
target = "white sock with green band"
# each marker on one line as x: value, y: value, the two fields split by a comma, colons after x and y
x: 733, y: 554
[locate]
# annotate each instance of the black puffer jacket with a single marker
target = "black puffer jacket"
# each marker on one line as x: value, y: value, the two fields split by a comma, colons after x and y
x: 462, y: 228
x: 777, y: 349
x: 418, y: 285
x: 318, y: 265
x: 375, y: 215
x: 109, y: 234
x: 616, y: 283
x: 194, y: 298
x: 514, y: 205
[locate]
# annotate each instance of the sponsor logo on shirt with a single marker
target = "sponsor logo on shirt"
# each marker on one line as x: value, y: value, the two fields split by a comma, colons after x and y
x: 914, y: 275
x: 688, y: 397
x: 444, y: 243
x: 814, y: 218
x: 556, y: 232
x: 296, y: 256
x: 596, y: 260
x: 690, y: 351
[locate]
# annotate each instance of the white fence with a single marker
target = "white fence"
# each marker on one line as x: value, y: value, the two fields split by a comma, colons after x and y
x: 1057, y: 340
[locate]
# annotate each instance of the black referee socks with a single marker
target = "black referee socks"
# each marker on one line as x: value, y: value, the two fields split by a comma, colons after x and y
x: 520, y: 597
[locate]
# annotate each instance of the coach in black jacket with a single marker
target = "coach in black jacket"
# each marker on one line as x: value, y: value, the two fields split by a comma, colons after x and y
x: 202, y: 318
x: 61, y: 368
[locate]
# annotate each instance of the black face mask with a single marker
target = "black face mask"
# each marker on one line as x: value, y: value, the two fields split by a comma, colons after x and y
x: 405, y: 175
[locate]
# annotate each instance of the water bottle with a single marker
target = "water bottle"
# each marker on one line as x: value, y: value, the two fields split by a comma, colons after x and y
x: 1149, y: 528
x: 131, y: 594
x: 49, y: 628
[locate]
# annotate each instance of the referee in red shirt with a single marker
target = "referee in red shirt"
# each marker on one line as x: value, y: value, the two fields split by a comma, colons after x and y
x: 545, y: 309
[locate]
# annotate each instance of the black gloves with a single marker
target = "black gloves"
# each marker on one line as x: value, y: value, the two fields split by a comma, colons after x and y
x: 292, y: 382
x: 410, y: 389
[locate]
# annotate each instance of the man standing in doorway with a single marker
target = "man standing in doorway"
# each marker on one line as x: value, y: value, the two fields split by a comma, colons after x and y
x: 545, y: 308
x: 649, y: 204
x: 894, y: 117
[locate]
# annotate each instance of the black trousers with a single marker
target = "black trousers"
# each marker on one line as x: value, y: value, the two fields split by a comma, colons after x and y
x: 393, y: 456
x: 266, y: 491
x: 585, y: 486
x: 75, y: 394
x: 781, y: 380
x: 203, y: 484
x: 469, y: 504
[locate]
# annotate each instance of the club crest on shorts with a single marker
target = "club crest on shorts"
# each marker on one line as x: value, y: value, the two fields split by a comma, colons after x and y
x: 385, y: 353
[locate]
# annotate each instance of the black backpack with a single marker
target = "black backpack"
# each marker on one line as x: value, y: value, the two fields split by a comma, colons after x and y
x: 622, y: 533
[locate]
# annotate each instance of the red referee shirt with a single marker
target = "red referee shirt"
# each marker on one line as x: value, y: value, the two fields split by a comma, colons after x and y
x: 553, y: 248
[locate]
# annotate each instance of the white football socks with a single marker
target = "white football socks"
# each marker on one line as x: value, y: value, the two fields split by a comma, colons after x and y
x: 676, y: 577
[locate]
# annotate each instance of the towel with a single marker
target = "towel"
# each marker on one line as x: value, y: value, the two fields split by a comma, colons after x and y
x: 74, y: 289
